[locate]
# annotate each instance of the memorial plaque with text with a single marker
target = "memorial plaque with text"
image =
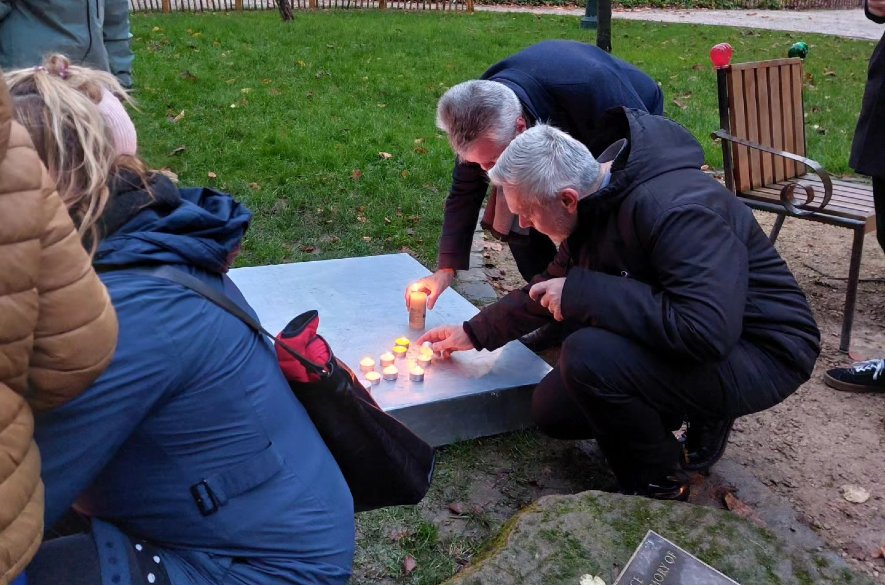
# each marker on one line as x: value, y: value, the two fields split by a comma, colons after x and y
x: 657, y: 561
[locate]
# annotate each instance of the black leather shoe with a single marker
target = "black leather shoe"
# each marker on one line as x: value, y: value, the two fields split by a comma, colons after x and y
x: 544, y: 337
x: 673, y: 486
x: 705, y: 442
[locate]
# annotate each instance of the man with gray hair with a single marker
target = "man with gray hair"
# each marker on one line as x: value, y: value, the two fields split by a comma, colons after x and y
x: 564, y: 83
x: 680, y: 307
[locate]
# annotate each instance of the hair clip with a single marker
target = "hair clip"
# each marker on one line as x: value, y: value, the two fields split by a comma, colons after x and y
x: 39, y: 68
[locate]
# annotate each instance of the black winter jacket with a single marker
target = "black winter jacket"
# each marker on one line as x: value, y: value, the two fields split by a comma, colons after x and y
x: 566, y: 84
x: 666, y: 256
x: 868, y: 148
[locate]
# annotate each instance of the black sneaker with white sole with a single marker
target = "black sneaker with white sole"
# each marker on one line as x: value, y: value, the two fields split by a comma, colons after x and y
x: 868, y: 376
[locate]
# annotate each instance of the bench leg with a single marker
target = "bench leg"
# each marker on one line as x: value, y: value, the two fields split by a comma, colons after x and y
x: 851, y: 294
x: 776, y: 228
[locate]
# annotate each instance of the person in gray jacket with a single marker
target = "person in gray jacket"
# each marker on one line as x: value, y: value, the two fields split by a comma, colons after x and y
x: 88, y: 32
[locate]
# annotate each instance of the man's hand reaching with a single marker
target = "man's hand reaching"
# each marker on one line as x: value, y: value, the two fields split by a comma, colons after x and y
x: 548, y: 293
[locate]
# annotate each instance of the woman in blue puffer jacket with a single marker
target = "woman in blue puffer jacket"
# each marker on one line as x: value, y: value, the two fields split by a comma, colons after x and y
x: 190, y: 454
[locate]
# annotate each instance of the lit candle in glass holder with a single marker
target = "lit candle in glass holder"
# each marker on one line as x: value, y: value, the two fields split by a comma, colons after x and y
x: 399, y: 351
x: 403, y: 341
x: 373, y: 378
x: 367, y: 364
x: 386, y: 359
x: 417, y: 307
x: 390, y: 373
x: 416, y: 374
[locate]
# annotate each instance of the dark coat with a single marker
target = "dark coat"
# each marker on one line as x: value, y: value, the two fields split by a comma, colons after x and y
x: 868, y: 148
x: 194, y: 400
x: 667, y: 257
x: 566, y: 84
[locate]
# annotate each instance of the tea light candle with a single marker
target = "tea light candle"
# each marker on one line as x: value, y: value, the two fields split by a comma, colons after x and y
x: 373, y: 378
x: 425, y: 359
x: 399, y: 351
x: 417, y: 307
x: 367, y: 364
x: 403, y: 341
x: 386, y: 359
x: 390, y: 373
x: 416, y: 374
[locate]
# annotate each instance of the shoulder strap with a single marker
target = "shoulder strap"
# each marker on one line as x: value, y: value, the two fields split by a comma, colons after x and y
x: 198, y: 286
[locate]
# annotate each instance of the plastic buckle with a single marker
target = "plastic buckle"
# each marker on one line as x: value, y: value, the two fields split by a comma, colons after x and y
x: 204, y: 498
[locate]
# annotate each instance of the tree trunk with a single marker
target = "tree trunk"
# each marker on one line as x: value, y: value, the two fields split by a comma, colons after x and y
x: 285, y: 10
x: 604, y: 32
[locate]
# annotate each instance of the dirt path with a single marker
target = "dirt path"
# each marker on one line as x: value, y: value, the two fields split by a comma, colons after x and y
x: 819, y: 440
x: 844, y: 23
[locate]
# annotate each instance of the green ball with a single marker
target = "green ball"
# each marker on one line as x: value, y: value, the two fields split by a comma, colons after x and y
x: 799, y: 49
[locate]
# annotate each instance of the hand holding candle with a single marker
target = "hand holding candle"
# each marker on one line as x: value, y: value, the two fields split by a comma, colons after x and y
x: 447, y: 339
x: 434, y: 284
x: 417, y: 307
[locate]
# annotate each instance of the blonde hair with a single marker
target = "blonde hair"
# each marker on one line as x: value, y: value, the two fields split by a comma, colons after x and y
x: 57, y: 103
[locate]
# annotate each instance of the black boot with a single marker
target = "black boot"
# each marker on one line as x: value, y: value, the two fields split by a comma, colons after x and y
x: 705, y: 442
x: 544, y: 337
x: 672, y: 486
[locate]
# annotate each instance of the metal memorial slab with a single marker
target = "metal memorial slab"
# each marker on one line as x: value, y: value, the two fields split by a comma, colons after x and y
x: 362, y: 313
x: 657, y: 561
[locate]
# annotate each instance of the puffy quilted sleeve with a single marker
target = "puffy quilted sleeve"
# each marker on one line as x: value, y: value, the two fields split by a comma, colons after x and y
x: 76, y: 330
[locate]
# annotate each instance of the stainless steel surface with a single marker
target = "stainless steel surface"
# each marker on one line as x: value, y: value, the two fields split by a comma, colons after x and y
x: 362, y: 312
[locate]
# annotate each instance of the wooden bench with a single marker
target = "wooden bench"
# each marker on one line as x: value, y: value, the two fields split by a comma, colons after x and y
x: 763, y: 148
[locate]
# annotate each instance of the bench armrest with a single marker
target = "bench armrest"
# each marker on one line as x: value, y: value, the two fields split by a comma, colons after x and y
x: 788, y: 191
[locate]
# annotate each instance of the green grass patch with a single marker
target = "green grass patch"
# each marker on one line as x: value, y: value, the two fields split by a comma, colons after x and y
x: 291, y: 117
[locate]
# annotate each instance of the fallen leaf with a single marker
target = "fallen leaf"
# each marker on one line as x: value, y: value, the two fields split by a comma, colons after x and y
x: 385, y: 155
x: 386, y: 220
x: 367, y: 238
x: 855, y: 493
x: 419, y: 140
x: 404, y: 174
x: 705, y: 167
x: 409, y: 564
x: 308, y: 249
x: 829, y: 73
x: 679, y: 104
x: 267, y: 81
x: 178, y: 150
x: 176, y: 119
x: 420, y: 150
x: 211, y: 175
x: 188, y: 75
x: 741, y: 509
x: 591, y: 580
x: 255, y: 186
x: 356, y: 175
x: 456, y: 508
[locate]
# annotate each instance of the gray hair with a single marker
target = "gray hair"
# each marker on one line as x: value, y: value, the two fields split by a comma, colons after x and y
x: 478, y: 109
x: 543, y: 161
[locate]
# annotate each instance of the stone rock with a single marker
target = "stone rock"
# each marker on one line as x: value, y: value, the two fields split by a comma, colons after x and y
x: 558, y: 539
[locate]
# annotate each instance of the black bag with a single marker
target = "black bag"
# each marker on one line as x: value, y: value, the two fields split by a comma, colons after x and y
x: 384, y: 463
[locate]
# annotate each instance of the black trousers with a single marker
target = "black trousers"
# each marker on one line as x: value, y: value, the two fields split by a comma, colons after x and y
x: 630, y: 399
x: 879, y: 201
x: 532, y: 253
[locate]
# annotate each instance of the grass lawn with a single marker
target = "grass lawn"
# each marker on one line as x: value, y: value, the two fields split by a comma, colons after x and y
x: 293, y: 118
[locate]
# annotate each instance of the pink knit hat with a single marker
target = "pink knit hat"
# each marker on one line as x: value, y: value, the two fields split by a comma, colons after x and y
x: 119, y: 123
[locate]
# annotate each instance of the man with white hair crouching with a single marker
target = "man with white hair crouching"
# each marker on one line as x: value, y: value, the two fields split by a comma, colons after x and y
x: 681, y: 308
